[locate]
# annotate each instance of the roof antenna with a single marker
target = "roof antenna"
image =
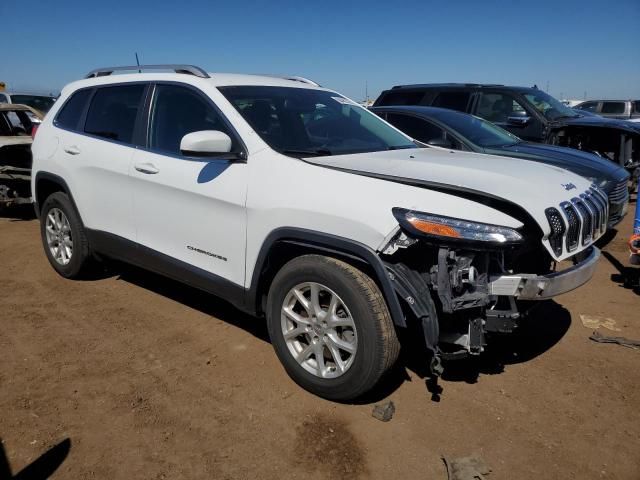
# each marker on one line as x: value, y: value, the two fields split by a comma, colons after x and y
x: 138, y: 62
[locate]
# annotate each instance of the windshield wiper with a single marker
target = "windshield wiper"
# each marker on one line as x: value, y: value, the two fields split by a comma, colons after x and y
x: 307, y: 153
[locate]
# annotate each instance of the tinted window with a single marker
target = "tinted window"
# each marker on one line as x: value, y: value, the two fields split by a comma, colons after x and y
x: 612, y: 107
x: 311, y: 122
x: 72, y: 110
x: 178, y: 111
x: 548, y: 106
x: 400, y: 97
x: 636, y: 107
x: 3, y: 98
x: 476, y: 130
x: 498, y: 107
x: 588, y: 106
x: 453, y: 100
x: 113, y: 111
x: 415, y: 127
x: 39, y: 102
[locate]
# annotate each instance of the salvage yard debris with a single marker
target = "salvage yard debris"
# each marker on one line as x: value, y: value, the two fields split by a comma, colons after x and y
x: 384, y: 412
x: 625, y: 342
x: 466, y: 468
x: 596, y: 322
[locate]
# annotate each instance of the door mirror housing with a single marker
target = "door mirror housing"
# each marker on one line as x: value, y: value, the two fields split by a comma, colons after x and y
x: 206, y: 143
x: 441, y: 142
x: 518, y: 121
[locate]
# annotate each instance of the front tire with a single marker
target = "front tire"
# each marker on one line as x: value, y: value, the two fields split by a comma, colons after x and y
x: 330, y: 327
x: 63, y: 237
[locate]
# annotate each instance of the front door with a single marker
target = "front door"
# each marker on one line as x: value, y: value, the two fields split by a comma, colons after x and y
x: 189, y: 209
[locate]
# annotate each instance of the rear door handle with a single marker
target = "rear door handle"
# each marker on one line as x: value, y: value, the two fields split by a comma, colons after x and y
x: 148, y: 168
x: 72, y: 150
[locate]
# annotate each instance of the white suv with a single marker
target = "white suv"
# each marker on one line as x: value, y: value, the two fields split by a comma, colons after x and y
x: 292, y: 202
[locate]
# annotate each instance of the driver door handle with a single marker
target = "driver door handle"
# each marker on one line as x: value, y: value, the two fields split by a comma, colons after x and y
x: 148, y: 168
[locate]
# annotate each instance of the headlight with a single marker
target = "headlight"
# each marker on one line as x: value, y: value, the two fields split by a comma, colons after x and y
x: 454, y: 228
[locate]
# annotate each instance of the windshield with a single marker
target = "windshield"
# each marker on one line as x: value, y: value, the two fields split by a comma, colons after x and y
x: 39, y: 102
x: 303, y: 122
x: 551, y: 108
x: 476, y: 130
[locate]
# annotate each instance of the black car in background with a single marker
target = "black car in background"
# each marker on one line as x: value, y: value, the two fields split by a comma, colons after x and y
x: 461, y: 131
x: 529, y: 113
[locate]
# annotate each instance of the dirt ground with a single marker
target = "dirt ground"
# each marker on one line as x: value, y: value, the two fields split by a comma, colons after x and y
x: 149, y: 379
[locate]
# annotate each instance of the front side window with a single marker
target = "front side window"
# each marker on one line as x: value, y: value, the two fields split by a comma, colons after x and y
x: 616, y: 108
x: 177, y: 111
x: 498, y: 107
x: 113, y: 110
x: 588, y: 106
x: 70, y: 113
x: 548, y: 106
x: 453, y: 100
x: 307, y: 122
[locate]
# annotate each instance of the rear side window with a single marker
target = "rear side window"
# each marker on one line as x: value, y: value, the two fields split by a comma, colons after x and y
x: 636, y: 107
x: 453, y: 100
x: 415, y: 127
x: 400, y: 97
x: 71, y: 112
x: 612, y: 107
x: 113, y: 112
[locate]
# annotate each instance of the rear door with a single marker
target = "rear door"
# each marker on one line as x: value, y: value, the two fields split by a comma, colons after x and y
x: 96, y: 153
x: 186, y: 208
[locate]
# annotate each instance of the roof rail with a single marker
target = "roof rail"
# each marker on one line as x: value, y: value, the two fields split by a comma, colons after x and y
x: 186, y: 69
x: 422, y: 85
x: 293, y: 78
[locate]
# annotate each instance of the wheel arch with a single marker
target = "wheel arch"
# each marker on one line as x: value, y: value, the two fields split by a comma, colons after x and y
x: 47, y: 183
x: 286, y: 243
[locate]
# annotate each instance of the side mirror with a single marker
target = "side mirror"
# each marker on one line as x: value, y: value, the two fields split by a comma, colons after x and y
x: 518, y: 121
x: 206, y: 143
x: 440, y: 142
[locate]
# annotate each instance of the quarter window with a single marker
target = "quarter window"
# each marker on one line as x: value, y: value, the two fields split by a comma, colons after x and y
x: 613, y: 107
x: 113, y: 112
x: 178, y: 111
x: 402, y: 97
x: 71, y: 112
x: 453, y: 100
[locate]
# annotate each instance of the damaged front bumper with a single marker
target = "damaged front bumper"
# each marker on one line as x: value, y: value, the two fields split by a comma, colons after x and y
x: 541, y: 287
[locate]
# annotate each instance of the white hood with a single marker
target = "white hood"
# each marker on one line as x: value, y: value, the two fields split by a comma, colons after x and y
x: 531, y: 185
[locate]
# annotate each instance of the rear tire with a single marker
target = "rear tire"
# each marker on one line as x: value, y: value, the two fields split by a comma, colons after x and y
x: 348, y: 327
x: 64, y: 238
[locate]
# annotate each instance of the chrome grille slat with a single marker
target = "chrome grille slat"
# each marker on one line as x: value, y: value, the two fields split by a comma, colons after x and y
x: 579, y: 221
x: 587, y: 220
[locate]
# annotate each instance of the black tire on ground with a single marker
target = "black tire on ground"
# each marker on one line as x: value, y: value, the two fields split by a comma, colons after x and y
x: 377, y: 346
x: 81, y: 261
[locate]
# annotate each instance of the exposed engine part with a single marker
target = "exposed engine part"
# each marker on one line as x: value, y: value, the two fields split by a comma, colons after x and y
x: 400, y: 240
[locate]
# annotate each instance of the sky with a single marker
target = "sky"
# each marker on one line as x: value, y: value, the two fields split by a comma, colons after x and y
x: 573, y: 48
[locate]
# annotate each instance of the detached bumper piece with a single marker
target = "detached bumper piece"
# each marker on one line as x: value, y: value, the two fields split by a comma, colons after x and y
x: 542, y: 287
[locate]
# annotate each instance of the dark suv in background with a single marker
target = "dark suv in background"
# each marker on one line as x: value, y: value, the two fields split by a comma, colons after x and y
x: 529, y: 113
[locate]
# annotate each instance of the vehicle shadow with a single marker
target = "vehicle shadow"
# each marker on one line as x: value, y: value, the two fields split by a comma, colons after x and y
x: 18, y: 213
x: 538, y: 332
x: 41, y: 468
x: 628, y: 277
x: 191, y: 297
